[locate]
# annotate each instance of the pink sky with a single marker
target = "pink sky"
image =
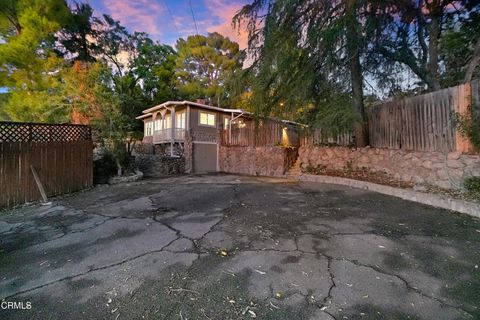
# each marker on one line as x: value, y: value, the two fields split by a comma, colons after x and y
x: 166, y: 20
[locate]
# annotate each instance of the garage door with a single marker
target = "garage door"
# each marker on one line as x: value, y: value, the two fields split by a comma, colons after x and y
x: 204, y: 158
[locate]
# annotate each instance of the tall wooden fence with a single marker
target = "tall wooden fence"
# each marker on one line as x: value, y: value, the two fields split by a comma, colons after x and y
x: 317, y: 136
x: 423, y: 123
x: 270, y: 132
x: 62, y: 155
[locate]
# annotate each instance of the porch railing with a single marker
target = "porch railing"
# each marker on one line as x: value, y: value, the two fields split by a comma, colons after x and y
x: 165, y: 135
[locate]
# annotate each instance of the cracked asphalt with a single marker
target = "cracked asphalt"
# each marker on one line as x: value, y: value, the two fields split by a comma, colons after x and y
x: 231, y: 247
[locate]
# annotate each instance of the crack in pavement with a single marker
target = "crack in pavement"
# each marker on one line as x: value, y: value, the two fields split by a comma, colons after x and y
x: 407, y: 284
x: 224, y: 211
x: 199, y: 250
x: 355, y: 262
x: 328, y: 298
x: 108, y: 218
x: 89, y: 271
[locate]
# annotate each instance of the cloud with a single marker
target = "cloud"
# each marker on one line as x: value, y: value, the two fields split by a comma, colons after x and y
x: 139, y: 15
x: 222, y: 12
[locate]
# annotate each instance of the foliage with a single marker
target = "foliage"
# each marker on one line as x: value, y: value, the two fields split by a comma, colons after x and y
x: 204, y: 65
x: 472, y: 185
x: 77, y: 35
x: 458, y: 46
x: 301, y: 70
x: 28, y: 65
x: 3, y: 99
x: 468, y: 125
x: 408, y: 35
x: 147, y: 77
x: 87, y: 91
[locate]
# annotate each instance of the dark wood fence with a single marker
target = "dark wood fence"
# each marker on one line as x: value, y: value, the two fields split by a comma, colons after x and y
x: 316, y: 136
x: 62, y: 155
x: 422, y: 123
x: 248, y: 132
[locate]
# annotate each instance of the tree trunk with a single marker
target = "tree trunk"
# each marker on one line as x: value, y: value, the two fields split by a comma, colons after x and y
x: 119, y: 168
x: 353, y: 43
x: 473, y: 63
x: 433, y: 35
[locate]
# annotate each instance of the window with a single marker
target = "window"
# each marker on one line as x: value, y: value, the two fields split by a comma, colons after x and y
x: 226, y: 122
x: 207, y: 119
x: 180, y: 120
x: 148, y: 128
x: 167, y: 122
x: 158, y: 124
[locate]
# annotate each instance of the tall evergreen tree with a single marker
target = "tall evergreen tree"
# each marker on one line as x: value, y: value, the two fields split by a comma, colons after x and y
x: 204, y: 64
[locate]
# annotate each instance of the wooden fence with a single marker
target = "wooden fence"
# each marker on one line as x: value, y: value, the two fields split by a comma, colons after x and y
x: 421, y: 123
x: 62, y: 155
x: 318, y: 137
x: 246, y: 132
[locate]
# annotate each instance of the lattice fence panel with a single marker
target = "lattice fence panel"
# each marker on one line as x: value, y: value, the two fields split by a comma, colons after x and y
x: 36, y: 132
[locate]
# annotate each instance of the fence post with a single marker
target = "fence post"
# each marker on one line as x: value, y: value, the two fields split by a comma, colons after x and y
x: 462, y: 143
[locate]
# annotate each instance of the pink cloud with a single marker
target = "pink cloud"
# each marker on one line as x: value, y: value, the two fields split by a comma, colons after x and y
x: 140, y: 15
x: 223, y: 11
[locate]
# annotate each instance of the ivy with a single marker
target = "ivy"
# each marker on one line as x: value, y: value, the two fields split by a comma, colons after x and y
x: 468, y: 124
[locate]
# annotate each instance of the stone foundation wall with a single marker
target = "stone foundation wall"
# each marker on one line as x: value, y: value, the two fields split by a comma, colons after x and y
x: 155, y: 160
x: 153, y: 165
x: 258, y: 161
x: 434, y: 168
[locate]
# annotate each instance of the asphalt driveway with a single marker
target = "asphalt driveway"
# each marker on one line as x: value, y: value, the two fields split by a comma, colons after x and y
x: 229, y: 247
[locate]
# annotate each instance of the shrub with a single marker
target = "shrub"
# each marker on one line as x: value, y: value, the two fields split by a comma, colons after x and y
x: 472, y: 185
x: 468, y: 125
x: 104, y: 168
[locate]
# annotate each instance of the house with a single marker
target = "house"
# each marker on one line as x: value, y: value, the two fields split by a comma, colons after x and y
x: 173, y: 124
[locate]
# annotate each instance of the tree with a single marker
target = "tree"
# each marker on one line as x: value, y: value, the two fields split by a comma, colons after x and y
x: 153, y: 66
x: 78, y: 36
x: 410, y: 33
x: 28, y: 65
x: 204, y: 65
x: 307, y: 54
x: 460, y: 50
x: 353, y: 43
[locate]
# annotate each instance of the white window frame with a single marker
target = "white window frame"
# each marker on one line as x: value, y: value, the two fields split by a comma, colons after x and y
x: 208, y: 114
x: 148, y: 128
x: 167, y: 121
x: 182, y: 117
x: 157, y: 124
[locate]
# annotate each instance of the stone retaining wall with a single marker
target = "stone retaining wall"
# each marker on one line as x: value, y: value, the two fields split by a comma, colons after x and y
x: 434, y: 168
x: 259, y: 161
x: 155, y: 160
x: 154, y: 165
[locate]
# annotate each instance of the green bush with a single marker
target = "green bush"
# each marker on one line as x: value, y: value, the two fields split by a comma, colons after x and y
x: 104, y: 168
x: 469, y: 126
x: 473, y: 185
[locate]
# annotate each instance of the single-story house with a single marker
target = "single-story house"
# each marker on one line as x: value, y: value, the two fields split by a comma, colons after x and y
x: 168, y: 123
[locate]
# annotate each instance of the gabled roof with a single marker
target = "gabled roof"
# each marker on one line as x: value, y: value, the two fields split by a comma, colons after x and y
x: 148, y: 112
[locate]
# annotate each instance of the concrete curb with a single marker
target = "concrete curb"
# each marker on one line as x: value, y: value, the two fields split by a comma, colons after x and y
x: 434, y: 200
